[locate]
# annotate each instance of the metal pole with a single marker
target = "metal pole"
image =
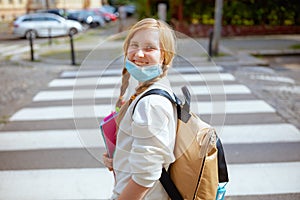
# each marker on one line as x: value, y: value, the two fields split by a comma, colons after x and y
x: 31, y: 46
x: 49, y: 37
x: 162, y: 11
x: 122, y: 18
x: 217, y: 26
x: 210, y: 52
x: 72, y: 49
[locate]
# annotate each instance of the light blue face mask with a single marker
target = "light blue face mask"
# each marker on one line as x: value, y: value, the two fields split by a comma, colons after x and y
x: 145, y: 73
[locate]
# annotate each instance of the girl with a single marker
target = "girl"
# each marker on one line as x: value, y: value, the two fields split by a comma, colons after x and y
x: 145, y: 137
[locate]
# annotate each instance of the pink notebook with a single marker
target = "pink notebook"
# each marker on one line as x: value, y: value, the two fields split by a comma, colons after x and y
x: 108, y: 129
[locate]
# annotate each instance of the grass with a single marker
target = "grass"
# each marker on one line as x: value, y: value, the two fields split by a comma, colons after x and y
x: 296, y: 46
x: 4, y: 119
x: 80, y: 55
x: 65, y: 55
x: 221, y: 54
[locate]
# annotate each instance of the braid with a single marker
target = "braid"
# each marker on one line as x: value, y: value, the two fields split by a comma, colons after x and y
x: 124, y: 85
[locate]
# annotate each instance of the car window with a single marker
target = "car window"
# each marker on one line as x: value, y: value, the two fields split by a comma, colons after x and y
x: 38, y: 19
x: 27, y: 20
x: 51, y: 19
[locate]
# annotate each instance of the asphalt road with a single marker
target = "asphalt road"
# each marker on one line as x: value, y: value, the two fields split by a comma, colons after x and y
x: 45, y: 147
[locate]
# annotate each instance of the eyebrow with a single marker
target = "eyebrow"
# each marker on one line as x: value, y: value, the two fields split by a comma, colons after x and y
x: 146, y: 43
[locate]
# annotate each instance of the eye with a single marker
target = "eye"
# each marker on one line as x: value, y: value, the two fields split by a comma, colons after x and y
x: 133, y: 45
x: 149, y: 48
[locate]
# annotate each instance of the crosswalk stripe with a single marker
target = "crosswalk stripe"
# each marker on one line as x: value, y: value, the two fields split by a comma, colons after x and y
x: 263, y: 133
x: 117, y: 79
x: 85, y: 111
x: 113, y: 93
x: 91, y: 138
x: 50, y: 139
x: 263, y: 178
x: 85, y: 183
x: 113, y: 72
x: 95, y: 183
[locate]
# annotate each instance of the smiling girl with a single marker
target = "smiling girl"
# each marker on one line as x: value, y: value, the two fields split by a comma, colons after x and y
x: 145, y: 137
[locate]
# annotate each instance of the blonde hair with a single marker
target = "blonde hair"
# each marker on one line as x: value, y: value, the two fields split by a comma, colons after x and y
x: 167, y: 46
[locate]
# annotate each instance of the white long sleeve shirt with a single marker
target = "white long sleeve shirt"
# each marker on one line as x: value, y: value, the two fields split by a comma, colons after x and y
x: 145, y: 143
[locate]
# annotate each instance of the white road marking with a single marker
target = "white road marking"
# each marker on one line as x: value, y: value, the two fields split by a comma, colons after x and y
x: 86, y: 183
x: 112, y: 72
x: 114, y: 92
x: 272, y: 78
x: 89, y: 138
x: 97, y: 183
x: 284, y: 89
x: 99, y: 111
x: 50, y: 139
x: 68, y: 82
x: 259, y: 133
x: 263, y: 178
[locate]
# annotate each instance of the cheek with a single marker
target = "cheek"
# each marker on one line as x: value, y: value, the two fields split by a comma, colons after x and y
x: 158, y: 57
x: 130, y: 54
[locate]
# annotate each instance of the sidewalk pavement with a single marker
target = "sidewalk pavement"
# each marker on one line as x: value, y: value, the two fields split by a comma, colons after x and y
x: 243, y: 51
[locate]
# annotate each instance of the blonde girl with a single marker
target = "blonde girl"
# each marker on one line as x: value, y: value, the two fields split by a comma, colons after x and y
x: 145, y: 137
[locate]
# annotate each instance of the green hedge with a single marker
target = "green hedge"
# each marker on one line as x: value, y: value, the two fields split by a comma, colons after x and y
x: 235, y: 12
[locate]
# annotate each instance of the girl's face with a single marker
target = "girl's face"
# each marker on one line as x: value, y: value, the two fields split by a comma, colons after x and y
x: 144, y: 48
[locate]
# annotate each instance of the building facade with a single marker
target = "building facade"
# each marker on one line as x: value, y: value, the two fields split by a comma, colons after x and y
x: 10, y: 9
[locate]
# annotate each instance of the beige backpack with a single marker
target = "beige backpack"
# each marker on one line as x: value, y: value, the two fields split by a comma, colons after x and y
x: 200, y: 163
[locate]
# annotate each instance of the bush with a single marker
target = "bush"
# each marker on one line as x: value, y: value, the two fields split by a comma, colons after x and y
x: 235, y: 12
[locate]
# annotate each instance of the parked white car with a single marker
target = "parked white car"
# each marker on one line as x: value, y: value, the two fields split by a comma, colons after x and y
x: 44, y: 25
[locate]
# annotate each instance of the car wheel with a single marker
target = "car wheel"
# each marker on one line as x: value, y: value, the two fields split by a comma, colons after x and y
x: 31, y: 33
x: 73, y: 31
x: 93, y: 24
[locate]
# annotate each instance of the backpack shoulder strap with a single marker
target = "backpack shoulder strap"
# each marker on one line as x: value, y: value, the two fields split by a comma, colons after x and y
x: 163, y: 93
x: 222, y: 166
x: 183, y: 110
x: 165, y: 178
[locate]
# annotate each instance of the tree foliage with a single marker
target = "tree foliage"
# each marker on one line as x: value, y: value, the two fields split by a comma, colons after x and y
x: 235, y: 12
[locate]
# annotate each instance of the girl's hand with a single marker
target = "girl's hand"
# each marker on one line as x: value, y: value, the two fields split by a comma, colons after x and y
x: 108, y: 162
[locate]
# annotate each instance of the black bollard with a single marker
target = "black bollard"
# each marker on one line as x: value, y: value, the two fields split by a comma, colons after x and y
x: 210, y: 53
x: 72, y: 49
x: 49, y: 37
x: 31, y: 46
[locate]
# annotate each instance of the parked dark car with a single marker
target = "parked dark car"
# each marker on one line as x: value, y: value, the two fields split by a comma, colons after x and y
x: 91, y: 18
x: 130, y: 9
x: 56, y: 11
x: 73, y: 15
x: 110, y: 8
x: 108, y: 16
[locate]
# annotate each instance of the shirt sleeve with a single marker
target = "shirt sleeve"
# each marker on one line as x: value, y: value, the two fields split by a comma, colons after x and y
x: 153, y: 132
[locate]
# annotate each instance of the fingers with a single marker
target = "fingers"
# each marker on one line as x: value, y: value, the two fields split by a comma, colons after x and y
x: 108, y: 162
